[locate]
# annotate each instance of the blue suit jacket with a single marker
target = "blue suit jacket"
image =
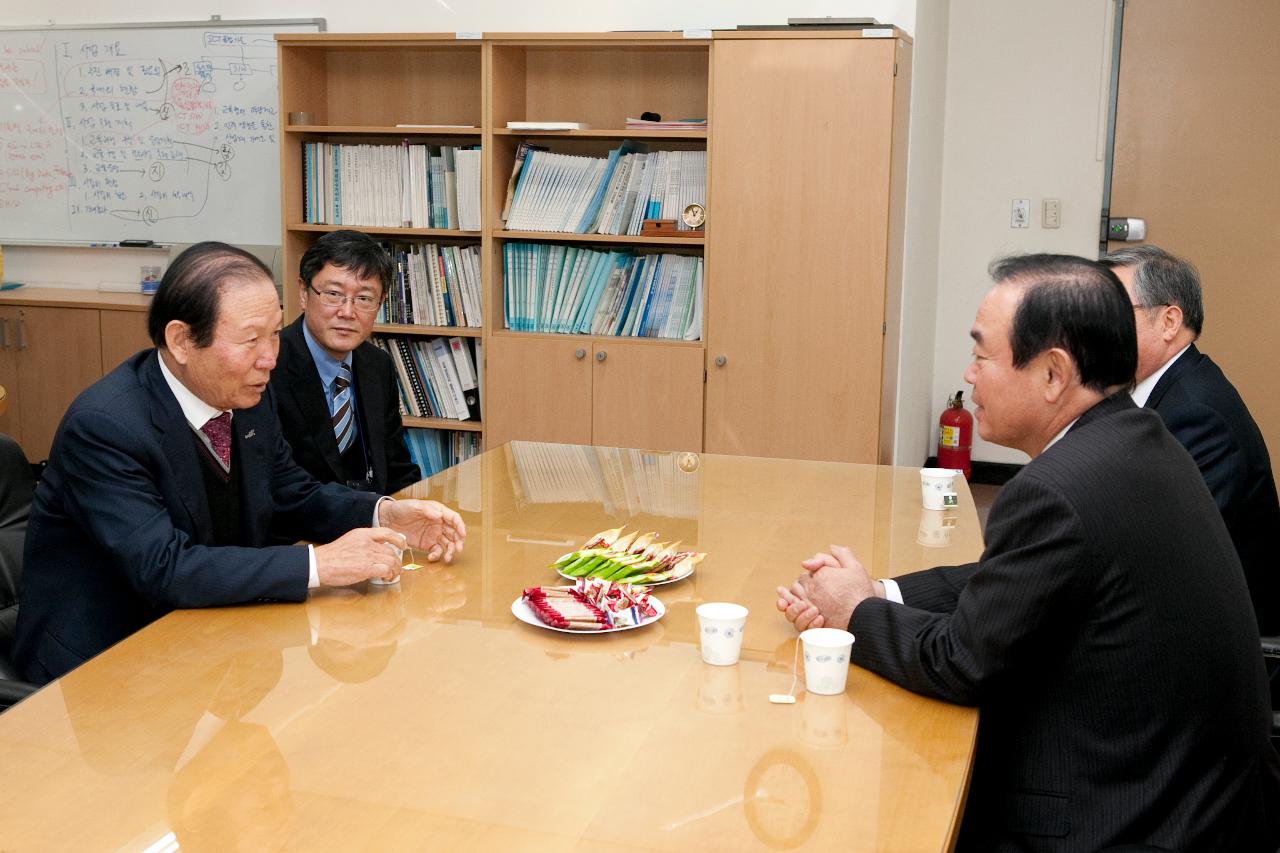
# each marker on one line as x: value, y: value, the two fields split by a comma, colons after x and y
x: 1205, y: 413
x: 120, y: 531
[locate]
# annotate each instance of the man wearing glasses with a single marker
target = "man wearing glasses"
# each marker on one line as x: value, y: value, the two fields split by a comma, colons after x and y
x: 336, y: 393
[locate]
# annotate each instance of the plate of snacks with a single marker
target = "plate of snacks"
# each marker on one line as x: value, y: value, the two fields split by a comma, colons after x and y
x: 634, y: 558
x: 590, y: 606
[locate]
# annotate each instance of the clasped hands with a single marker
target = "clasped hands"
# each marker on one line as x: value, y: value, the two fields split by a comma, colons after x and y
x: 826, y: 594
x: 375, y: 552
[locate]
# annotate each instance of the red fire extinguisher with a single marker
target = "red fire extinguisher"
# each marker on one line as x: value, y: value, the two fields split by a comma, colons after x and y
x: 955, y: 435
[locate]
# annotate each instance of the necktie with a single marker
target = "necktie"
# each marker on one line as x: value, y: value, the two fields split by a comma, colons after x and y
x: 219, y: 431
x: 343, y: 422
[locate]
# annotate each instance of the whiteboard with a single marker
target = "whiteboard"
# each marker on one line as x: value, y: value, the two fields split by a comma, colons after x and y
x: 162, y: 132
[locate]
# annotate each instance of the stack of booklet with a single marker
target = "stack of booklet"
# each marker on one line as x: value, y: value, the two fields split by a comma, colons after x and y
x: 571, y: 289
x: 604, y: 195
x: 677, y: 124
x: 392, y: 186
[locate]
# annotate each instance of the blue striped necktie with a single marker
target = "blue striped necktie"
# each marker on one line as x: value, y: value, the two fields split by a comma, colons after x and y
x: 343, y: 422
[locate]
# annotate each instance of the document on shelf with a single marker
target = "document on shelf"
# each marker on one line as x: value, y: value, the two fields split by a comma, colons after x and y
x: 548, y: 125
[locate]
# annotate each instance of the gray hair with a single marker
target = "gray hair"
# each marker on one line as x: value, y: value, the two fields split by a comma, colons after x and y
x: 1162, y: 279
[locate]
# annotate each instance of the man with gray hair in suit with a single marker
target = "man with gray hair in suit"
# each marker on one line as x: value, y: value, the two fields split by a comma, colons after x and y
x: 1204, y: 412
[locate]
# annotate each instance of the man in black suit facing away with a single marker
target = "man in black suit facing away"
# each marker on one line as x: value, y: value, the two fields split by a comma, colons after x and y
x: 1105, y: 632
x: 1204, y: 412
x: 169, y: 475
x: 336, y: 392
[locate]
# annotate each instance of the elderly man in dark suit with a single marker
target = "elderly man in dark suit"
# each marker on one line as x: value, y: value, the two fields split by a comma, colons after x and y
x: 1105, y: 633
x: 336, y: 392
x: 169, y: 474
x: 1204, y: 412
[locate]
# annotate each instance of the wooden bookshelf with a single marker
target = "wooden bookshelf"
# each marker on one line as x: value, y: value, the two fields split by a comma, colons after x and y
x: 805, y: 145
x: 356, y: 89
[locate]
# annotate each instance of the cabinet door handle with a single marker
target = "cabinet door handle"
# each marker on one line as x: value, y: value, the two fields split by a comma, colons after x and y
x: 579, y: 353
x: 720, y: 361
x: 4, y: 332
x: 19, y: 340
x: 601, y: 355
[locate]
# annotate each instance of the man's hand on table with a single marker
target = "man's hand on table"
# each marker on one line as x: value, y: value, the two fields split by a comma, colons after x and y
x: 360, y: 554
x: 832, y: 586
x: 429, y: 526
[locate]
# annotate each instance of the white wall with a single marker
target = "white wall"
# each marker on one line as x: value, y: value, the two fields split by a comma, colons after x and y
x: 913, y: 432
x: 373, y: 16
x: 1025, y: 118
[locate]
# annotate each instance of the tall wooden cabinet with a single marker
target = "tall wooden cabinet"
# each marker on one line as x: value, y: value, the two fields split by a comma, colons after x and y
x: 805, y: 146
x: 805, y: 202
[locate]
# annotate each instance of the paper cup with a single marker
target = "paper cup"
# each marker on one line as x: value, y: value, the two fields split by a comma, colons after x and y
x: 938, y: 487
x: 720, y: 627
x: 826, y: 660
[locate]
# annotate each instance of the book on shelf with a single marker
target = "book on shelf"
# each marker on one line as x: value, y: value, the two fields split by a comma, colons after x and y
x: 575, y: 194
x: 552, y: 287
x: 433, y: 285
x: 429, y: 375
x: 677, y: 124
x: 434, y: 450
x: 391, y: 186
x: 466, y: 375
x: 522, y: 153
x: 548, y: 125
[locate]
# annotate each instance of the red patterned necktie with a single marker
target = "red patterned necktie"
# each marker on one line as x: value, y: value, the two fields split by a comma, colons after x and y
x: 219, y: 431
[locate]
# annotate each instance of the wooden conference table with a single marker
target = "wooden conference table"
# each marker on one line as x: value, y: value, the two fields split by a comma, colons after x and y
x: 425, y: 716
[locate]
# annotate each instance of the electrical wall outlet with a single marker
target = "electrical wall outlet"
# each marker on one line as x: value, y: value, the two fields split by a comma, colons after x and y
x: 1021, y: 215
x: 1051, y: 213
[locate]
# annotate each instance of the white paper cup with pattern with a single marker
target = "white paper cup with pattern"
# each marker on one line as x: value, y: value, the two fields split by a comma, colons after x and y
x: 826, y: 660
x: 938, y: 487
x: 720, y: 625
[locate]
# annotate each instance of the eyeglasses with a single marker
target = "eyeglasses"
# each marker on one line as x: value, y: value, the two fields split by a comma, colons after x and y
x: 333, y: 299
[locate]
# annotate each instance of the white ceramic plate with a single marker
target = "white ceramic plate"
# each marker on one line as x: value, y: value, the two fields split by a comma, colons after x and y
x: 521, y: 611
x: 654, y: 583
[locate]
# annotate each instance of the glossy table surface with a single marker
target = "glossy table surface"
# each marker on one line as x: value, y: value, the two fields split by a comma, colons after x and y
x: 424, y: 715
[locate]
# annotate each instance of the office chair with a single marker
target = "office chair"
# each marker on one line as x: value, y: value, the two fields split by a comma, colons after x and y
x: 1271, y: 654
x: 16, y: 486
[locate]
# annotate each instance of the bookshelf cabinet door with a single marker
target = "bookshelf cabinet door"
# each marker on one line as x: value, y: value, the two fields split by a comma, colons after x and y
x: 797, y: 246
x: 537, y: 389
x: 62, y: 356
x: 123, y: 334
x: 646, y: 395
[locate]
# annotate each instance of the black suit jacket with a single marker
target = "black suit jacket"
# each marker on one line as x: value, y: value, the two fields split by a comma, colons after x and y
x: 120, y: 530
x: 304, y: 413
x: 1106, y: 637
x: 1204, y: 412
